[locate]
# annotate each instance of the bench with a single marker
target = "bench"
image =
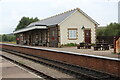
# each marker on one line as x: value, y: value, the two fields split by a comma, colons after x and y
x: 101, y: 46
x: 84, y: 46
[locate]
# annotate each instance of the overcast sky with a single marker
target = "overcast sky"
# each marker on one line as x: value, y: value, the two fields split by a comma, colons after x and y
x: 11, y: 11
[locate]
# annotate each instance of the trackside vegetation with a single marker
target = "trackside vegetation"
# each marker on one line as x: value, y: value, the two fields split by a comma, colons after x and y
x: 113, y: 29
x: 7, y: 38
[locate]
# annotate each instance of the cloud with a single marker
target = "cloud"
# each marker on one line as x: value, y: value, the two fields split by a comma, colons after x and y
x: 60, y: 1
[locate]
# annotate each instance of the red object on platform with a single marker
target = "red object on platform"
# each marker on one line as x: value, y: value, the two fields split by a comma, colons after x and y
x: 53, y: 38
x: 18, y: 39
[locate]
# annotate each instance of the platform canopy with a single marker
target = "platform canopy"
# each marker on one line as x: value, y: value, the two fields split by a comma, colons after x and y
x: 30, y: 28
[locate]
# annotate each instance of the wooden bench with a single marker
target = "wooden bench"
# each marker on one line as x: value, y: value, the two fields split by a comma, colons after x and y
x: 84, y: 46
x: 101, y: 46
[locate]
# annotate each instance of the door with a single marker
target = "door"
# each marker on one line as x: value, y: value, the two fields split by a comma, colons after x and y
x: 87, y: 36
x: 30, y: 40
x: 53, y: 37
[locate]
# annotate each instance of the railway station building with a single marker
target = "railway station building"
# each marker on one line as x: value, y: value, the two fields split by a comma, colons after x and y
x: 73, y: 26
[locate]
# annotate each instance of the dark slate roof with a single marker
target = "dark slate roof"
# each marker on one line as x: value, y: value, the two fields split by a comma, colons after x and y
x: 53, y: 19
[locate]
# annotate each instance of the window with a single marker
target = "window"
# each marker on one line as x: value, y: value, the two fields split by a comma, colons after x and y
x: 36, y: 35
x: 53, y: 33
x: 21, y: 37
x: 72, y: 33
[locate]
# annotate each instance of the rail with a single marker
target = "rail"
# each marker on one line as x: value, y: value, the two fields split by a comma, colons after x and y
x: 44, y: 76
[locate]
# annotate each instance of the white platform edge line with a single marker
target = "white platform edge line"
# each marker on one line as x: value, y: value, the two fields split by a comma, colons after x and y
x: 25, y: 70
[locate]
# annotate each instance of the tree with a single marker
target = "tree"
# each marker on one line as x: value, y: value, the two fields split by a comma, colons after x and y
x: 25, y: 21
x: 0, y: 38
x: 7, y: 38
x: 113, y: 29
x: 100, y: 32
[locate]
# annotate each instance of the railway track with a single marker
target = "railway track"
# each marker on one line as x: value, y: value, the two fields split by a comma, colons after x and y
x: 38, y: 73
x: 76, y: 71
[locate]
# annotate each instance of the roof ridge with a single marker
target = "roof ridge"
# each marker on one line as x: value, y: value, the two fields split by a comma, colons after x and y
x: 59, y: 14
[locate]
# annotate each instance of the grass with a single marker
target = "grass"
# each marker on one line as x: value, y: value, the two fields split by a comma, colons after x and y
x: 9, y: 42
x: 116, y: 53
x: 21, y: 62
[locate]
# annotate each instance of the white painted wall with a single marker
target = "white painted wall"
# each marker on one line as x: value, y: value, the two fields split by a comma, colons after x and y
x: 76, y: 20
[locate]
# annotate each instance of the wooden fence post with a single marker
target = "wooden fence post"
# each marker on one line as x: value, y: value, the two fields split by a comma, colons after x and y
x: 114, y: 44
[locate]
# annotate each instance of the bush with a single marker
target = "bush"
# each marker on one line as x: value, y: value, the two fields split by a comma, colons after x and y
x: 7, y: 38
x: 70, y: 44
x: 92, y: 44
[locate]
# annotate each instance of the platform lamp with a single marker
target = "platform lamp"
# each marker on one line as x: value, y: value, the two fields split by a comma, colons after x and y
x: 82, y: 27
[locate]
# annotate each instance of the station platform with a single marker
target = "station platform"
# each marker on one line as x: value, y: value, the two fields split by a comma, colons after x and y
x: 105, y: 53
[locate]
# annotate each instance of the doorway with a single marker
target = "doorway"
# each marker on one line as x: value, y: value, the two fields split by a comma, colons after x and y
x: 87, y: 35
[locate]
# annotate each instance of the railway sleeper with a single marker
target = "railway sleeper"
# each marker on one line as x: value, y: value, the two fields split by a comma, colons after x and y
x: 30, y: 69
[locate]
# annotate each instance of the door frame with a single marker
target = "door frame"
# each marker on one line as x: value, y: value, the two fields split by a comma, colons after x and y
x: 90, y: 33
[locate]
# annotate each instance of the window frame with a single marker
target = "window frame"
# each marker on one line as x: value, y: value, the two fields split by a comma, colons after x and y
x: 70, y: 38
